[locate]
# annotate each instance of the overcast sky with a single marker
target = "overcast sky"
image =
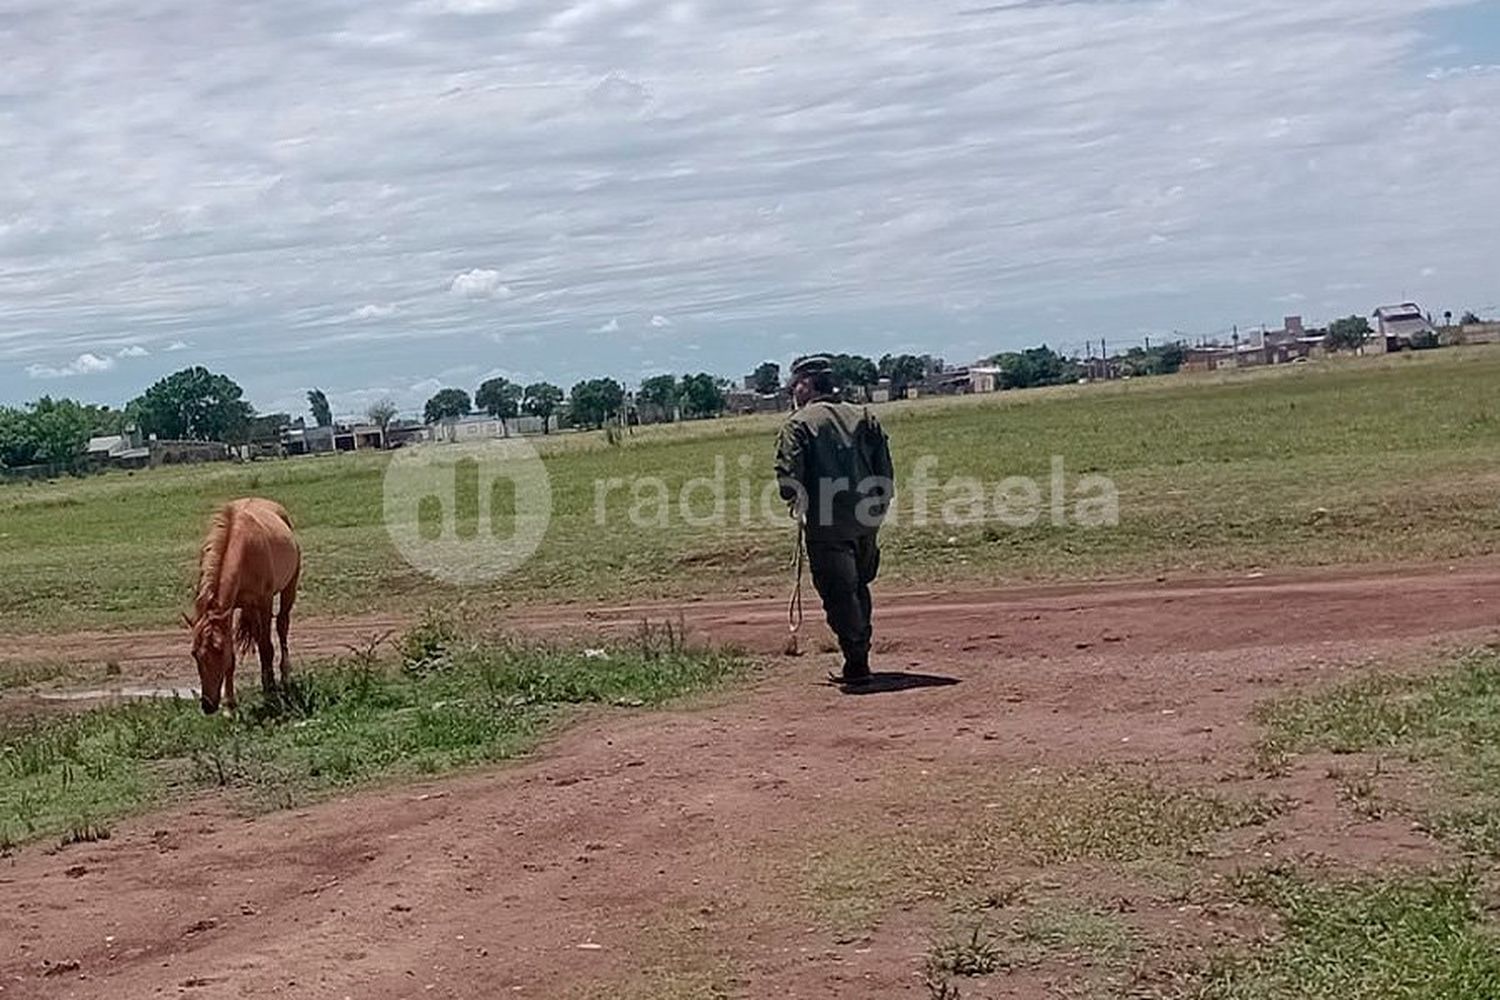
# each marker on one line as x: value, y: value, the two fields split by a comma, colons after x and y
x: 382, y: 198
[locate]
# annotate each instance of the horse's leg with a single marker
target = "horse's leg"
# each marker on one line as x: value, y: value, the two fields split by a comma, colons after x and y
x: 231, y: 700
x: 267, y: 651
x: 284, y: 624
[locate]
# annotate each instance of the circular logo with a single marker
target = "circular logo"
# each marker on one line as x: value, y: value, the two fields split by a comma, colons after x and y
x: 468, y: 512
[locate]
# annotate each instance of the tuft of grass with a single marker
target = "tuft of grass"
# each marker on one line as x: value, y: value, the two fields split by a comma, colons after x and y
x: 677, y: 957
x: 1447, y: 722
x: 971, y: 956
x: 1390, y: 938
x: 941, y: 987
x: 344, y: 724
x: 14, y: 676
x: 1360, y: 791
x: 427, y: 645
x: 666, y: 984
x: 1075, y: 932
x: 85, y: 831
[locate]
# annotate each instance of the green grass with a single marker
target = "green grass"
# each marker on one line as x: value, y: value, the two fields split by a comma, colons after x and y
x: 1024, y: 823
x: 1061, y: 929
x: 1446, y: 723
x: 1387, y: 938
x: 1382, y: 459
x: 969, y: 955
x: 342, y: 725
x: 26, y: 675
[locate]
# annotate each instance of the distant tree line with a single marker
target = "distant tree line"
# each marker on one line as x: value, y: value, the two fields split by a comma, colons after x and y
x: 499, y: 397
x: 196, y: 404
x: 191, y: 405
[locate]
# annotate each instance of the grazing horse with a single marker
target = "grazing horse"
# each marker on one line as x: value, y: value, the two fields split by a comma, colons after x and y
x: 249, y: 557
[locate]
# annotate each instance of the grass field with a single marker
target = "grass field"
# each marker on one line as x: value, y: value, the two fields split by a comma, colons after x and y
x: 445, y: 703
x: 1395, y: 458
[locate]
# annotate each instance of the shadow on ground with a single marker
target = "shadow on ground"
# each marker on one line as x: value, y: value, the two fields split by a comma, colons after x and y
x: 888, y: 682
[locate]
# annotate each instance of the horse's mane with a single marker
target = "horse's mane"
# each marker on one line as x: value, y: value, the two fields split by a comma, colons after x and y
x: 211, y: 559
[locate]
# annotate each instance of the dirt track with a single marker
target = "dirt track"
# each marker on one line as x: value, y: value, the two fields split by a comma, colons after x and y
x: 634, y: 836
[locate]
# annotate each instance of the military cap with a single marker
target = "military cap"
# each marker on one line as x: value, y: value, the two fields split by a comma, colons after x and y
x: 817, y: 364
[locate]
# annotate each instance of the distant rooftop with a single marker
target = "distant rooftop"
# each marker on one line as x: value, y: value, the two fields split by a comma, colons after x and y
x: 1400, y: 311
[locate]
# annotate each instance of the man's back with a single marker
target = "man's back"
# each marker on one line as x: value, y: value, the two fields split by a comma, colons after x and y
x: 838, y: 455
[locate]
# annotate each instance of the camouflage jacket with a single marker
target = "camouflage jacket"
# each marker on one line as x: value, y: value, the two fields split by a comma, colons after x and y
x: 833, y: 461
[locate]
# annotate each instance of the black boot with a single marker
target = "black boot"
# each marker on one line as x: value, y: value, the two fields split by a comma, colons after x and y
x: 856, y: 666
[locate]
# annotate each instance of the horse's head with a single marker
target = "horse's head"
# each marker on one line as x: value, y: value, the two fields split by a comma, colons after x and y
x: 213, y: 651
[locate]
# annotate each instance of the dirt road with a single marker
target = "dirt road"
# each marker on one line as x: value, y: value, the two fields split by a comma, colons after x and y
x: 671, y: 848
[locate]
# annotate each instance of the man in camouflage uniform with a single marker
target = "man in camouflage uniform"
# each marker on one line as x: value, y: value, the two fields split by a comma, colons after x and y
x: 833, y: 465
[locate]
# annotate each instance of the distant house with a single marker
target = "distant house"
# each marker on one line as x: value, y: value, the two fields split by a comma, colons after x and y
x: 1099, y: 369
x: 404, y: 432
x: 975, y: 379
x: 482, y: 427
x: 299, y: 439
x: 1404, y: 327
x: 122, y: 451
x: 747, y: 400
x: 1291, y: 342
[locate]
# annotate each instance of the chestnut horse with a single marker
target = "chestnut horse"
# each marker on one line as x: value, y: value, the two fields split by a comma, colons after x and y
x: 249, y: 557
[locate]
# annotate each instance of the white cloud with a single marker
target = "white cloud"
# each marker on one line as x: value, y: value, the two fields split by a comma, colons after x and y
x: 177, y: 345
x: 479, y: 284
x: 84, y: 364
x: 132, y: 351
x: 660, y: 322
x: 616, y: 92
x: 374, y: 311
x: 613, y: 326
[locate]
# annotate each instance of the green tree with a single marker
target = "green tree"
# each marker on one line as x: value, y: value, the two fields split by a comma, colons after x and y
x: 702, y: 396
x: 660, y: 391
x: 322, y: 413
x: 1348, y: 334
x: 1470, y: 318
x: 447, y: 404
x: 104, y: 420
x: 17, y: 444
x: 767, y: 378
x: 48, y: 432
x: 541, y: 400
x: 1170, y: 358
x: 1033, y: 367
x: 596, y: 401
x: 903, y: 370
x: 381, y: 413
x: 501, y: 399
x: 851, y: 370
x: 194, y: 404
x: 1163, y: 360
